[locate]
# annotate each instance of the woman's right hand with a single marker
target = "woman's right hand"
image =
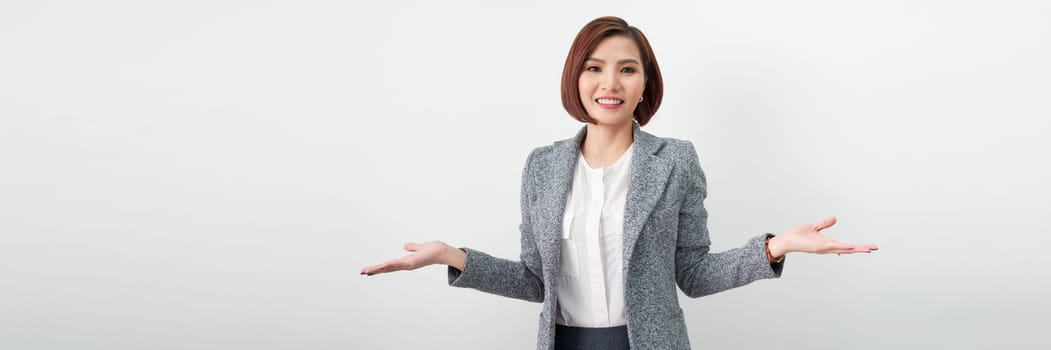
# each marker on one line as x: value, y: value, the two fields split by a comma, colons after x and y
x: 423, y: 254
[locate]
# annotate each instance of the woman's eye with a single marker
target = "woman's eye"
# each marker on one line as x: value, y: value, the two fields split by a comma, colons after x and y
x: 593, y: 69
x: 627, y: 70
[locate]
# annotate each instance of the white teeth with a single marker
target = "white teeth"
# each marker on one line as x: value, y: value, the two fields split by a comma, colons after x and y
x: 609, y: 101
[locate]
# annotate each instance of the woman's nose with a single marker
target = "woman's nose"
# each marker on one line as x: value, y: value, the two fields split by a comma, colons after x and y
x: 609, y: 82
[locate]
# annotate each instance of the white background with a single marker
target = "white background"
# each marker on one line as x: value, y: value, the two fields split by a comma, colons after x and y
x: 214, y: 174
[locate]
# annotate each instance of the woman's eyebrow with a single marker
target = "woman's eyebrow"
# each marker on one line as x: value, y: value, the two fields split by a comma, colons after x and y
x: 623, y: 61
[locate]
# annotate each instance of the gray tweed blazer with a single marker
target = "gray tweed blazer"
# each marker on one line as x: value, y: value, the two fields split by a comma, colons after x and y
x: 666, y: 242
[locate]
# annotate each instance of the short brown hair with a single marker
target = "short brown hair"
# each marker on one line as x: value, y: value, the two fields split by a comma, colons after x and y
x: 590, y: 36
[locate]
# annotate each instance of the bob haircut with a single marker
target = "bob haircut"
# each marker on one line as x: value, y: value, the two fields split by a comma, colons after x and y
x: 590, y: 36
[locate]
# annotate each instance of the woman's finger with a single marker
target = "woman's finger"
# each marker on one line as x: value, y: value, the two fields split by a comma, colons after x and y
x: 371, y: 270
x: 848, y: 251
x: 863, y: 248
x: 866, y: 247
x: 390, y: 266
x: 412, y: 247
x: 826, y: 223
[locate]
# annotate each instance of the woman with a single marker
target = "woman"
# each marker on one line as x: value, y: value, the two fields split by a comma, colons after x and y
x: 613, y: 218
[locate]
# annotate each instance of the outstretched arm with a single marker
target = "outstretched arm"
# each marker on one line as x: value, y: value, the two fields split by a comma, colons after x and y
x: 699, y: 273
x: 470, y: 268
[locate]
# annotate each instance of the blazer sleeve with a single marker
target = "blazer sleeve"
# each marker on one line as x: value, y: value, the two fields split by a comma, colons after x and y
x: 698, y: 272
x: 512, y: 279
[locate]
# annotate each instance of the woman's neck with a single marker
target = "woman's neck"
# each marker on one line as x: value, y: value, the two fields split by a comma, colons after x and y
x: 604, y: 144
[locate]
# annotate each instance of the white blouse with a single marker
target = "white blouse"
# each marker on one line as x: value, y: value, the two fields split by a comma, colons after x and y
x: 591, y: 289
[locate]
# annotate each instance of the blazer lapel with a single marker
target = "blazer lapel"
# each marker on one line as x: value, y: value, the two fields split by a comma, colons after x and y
x: 649, y: 175
x: 553, y: 191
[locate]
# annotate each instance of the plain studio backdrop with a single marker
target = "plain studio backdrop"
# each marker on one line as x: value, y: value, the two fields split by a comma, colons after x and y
x: 214, y: 174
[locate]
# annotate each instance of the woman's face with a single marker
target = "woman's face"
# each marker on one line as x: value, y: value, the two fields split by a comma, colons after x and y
x: 612, y: 81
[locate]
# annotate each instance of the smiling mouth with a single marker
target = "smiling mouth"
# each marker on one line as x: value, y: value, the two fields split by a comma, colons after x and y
x: 609, y: 101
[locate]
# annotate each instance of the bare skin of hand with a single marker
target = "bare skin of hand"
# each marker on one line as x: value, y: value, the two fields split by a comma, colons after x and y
x: 808, y: 239
x: 421, y: 254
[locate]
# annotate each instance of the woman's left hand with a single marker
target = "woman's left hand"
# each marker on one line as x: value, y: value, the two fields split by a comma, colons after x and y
x: 808, y: 239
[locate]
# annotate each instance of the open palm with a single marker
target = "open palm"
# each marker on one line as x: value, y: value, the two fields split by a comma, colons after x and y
x: 808, y: 239
x: 422, y: 254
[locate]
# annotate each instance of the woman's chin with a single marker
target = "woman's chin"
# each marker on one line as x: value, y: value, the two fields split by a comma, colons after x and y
x: 607, y: 117
x: 611, y: 121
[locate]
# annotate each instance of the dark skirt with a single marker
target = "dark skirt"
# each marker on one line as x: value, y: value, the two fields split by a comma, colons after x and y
x: 579, y: 338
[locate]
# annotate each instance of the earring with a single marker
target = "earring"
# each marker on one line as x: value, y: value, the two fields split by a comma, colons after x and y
x: 640, y: 99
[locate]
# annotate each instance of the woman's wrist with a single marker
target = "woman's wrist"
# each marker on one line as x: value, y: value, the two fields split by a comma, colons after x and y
x: 454, y: 257
x: 774, y: 249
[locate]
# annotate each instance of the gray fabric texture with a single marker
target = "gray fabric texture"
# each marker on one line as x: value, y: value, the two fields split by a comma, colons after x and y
x: 666, y: 242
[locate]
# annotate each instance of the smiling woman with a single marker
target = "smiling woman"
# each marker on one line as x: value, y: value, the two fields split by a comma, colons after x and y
x: 609, y: 45
x: 613, y: 218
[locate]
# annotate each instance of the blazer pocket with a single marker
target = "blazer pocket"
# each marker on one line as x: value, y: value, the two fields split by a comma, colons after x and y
x: 569, y: 266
